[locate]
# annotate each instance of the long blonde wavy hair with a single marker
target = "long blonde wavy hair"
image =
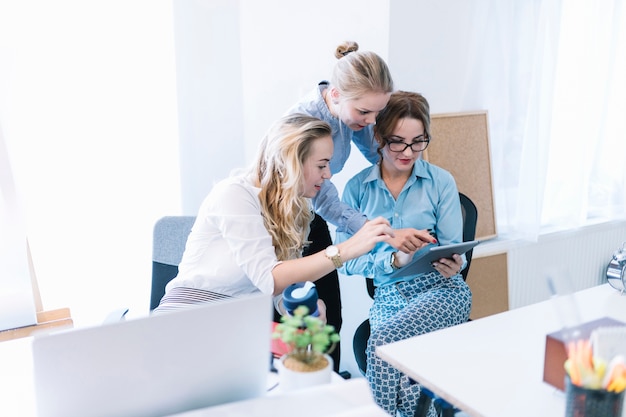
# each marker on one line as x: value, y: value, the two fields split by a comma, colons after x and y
x: 279, y: 172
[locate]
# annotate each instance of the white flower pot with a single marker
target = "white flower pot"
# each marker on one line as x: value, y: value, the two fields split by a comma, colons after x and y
x: 290, y: 380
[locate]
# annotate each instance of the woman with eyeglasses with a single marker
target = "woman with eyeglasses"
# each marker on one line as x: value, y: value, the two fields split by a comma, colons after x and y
x: 413, y: 193
x: 358, y: 90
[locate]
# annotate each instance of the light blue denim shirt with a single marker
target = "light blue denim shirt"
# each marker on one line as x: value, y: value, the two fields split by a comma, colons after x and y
x: 327, y: 203
x: 429, y: 200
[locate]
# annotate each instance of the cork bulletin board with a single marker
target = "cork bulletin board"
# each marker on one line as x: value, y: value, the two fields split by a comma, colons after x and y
x: 460, y: 145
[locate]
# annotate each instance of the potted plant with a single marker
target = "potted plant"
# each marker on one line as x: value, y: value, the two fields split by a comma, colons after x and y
x: 309, y: 340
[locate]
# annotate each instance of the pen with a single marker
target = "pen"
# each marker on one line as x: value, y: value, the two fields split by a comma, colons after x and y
x: 615, y: 378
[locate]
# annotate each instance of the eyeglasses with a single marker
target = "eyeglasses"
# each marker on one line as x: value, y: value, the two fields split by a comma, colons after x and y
x: 416, y: 146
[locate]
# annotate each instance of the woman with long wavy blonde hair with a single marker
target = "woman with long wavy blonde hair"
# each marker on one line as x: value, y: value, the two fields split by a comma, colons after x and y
x: 251, y: 229
x: 278, y: 172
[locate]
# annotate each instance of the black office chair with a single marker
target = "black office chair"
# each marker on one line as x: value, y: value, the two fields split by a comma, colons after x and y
x: 168, y: 244
x: 362, y: 333
x: 470, y: 217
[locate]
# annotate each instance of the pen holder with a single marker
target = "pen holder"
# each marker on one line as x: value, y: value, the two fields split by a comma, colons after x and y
x: 556, y: 351
x: 586, y: 402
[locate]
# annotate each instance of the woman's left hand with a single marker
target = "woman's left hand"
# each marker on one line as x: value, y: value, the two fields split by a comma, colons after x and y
x: 449, y: 267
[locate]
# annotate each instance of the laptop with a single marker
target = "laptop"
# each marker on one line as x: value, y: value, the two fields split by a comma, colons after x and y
x: 158, y: 365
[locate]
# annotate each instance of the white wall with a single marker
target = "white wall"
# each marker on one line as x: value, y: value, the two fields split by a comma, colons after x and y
x: 428, y: 50
x: 210, y: 95
x: 88, y: 108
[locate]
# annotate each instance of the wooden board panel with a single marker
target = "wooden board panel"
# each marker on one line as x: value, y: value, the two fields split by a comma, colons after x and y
x: 460, y: 145
x: 59, y: 318
x: 488, y: 280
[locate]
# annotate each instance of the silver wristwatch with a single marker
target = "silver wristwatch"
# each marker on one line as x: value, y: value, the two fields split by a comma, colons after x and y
x: 393, y: 261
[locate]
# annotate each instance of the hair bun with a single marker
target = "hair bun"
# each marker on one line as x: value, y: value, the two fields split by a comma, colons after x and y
x: 346, y: 48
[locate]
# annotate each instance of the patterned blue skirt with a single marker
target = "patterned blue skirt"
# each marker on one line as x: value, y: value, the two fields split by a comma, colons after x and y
x: 403, y: 310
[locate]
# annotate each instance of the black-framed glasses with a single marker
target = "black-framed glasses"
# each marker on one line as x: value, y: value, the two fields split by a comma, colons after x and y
x: 417, y: 145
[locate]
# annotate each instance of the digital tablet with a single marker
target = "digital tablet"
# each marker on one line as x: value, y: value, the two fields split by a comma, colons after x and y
x: 421, y: 262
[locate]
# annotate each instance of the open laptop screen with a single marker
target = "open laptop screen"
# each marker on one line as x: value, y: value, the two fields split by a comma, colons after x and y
x: 158, y: 365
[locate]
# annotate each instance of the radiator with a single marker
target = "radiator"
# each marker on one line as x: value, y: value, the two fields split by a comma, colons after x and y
x: 579, y: 256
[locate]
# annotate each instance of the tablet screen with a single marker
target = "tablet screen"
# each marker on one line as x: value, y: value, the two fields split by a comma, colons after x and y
x: 421, y: 263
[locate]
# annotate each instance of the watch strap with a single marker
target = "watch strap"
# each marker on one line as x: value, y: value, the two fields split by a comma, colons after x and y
x: 393, y: 261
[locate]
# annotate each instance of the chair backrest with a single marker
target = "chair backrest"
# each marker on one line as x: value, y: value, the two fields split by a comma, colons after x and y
x: 470, y: 217
x: 168, y: 244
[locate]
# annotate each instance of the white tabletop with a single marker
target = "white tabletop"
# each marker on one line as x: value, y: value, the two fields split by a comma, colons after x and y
x: 351, y: 398
x: 493, y: 366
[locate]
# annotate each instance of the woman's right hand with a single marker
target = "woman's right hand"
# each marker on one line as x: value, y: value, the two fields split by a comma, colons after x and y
x: 363, y: 241
x: 410, y: 240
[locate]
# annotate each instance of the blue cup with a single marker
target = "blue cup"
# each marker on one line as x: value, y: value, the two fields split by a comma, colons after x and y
x: 301, y: 293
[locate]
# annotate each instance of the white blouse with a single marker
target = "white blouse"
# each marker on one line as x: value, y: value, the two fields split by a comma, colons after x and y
x: 229, y: 250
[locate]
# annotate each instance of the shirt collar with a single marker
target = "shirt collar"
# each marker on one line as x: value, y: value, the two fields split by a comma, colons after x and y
x: 420, y: 170
x: 321, y: 104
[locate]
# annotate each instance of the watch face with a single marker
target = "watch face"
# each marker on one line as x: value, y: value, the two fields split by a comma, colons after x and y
x: 332, y: 251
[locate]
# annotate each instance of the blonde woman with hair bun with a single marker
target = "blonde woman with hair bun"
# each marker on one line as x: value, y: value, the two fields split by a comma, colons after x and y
x: 359, y: 88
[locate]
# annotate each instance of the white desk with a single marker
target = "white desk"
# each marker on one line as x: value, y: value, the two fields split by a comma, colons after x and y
x: 493, y: 366
x: 351, y: 398
x: 340, y: 398
x: 17, y: 391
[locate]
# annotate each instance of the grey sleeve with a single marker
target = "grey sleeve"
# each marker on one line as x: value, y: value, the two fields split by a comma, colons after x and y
x: 344, y: 217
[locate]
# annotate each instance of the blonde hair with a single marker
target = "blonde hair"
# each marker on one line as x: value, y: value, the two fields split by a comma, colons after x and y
x: 358, y: 73
x: 279, y: 171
